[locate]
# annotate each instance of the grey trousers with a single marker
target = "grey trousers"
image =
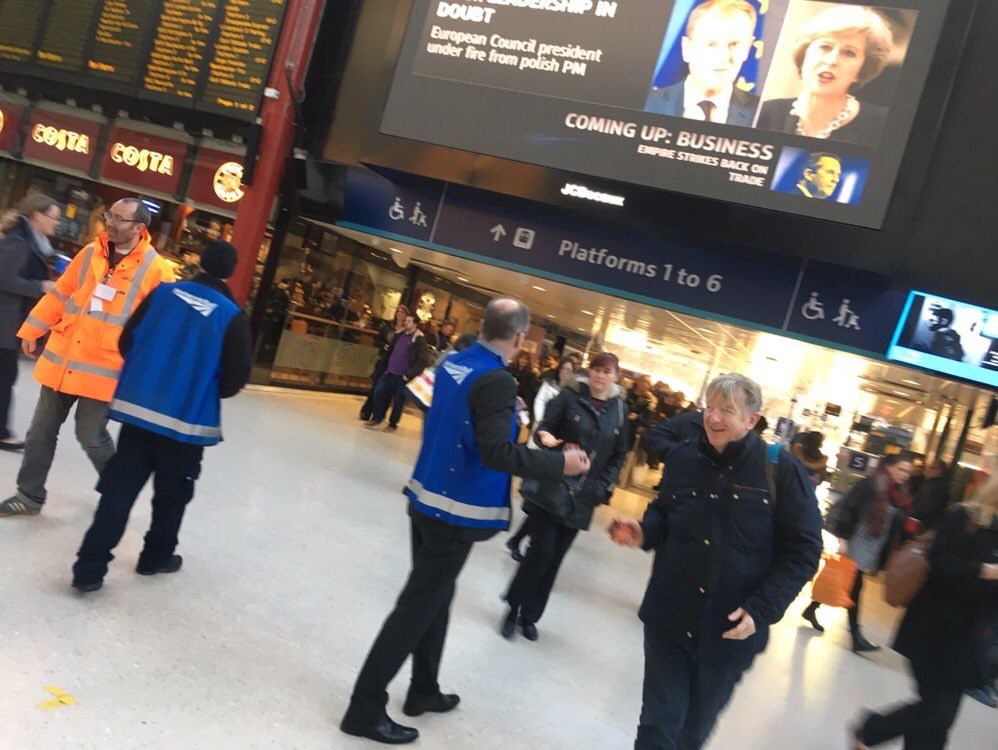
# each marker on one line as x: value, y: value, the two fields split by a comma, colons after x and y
x: 51, y: 411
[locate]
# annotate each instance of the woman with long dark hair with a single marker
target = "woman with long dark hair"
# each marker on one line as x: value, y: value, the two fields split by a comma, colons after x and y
x: 384, y: 343
x: 944, y: 632
x: 869, y: 522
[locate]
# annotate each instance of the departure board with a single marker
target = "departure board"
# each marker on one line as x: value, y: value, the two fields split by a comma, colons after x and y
x: 19, y: 24
x: 120, y: 37
x: 64, y: 41
x: 179, y: 48
x: 213, y: 55
x: 241, y: 58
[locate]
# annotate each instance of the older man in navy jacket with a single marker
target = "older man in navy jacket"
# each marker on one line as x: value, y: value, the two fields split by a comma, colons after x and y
x: 730, y: 556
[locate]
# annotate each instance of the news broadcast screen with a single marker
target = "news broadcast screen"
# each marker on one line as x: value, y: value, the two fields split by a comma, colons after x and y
x: 803, y: 106
x: 955, y: 338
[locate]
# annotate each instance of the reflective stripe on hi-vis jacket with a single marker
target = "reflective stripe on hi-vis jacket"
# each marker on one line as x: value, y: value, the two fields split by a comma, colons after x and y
x: 81, y: 357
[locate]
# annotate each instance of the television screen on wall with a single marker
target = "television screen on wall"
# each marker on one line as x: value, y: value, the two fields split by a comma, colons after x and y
x: 802, y: 106
x: 950, y: 337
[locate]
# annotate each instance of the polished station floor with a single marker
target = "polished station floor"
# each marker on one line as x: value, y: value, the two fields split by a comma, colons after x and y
x: 294, y: 550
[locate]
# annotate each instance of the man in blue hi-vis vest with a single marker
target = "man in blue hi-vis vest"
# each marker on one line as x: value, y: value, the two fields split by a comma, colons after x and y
x: 458, y: 495
x: 186, y: 347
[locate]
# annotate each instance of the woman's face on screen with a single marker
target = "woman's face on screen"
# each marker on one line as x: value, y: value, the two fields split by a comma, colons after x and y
x: 833, y: 62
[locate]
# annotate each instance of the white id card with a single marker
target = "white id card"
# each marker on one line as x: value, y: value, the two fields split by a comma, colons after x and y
x: 105, y: 292
x: 96, y: 305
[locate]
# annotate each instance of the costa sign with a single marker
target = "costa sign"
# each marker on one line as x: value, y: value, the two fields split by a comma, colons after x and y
x: 55, y: 137
x: 217, y: 179
x: 148, y: 161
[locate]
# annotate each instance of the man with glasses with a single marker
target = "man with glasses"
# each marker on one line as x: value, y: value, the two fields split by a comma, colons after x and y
x: 458, y: 495
x: 84, y: 316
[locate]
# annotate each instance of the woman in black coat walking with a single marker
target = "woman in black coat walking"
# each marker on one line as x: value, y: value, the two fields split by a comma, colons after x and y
x: 592, y: 415
x: 943, y: 631
x: 869, y: 522
x: 24, y: 277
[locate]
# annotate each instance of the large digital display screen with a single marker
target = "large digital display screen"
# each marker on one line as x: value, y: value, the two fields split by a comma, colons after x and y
x: 955, y: 338
x: 803, y: 106
x: 212, y: 55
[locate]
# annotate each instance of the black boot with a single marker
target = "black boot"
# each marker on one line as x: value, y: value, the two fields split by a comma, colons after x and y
x: 860, y: 645
x: 811, y: 615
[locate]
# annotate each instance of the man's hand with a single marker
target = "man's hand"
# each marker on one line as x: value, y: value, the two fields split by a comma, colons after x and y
x: 576, y: 461
x: 744, y: 628
x: 30, y: 348
x: 626, y: 532
x: 989, y: 571
x: 47, y: 286
x: 548, y: 440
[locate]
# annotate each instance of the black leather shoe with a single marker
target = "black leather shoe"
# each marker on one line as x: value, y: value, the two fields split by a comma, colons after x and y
x: 385, y: 731
x: 87, y: 588
x: 516, y: 554
x: 438, y: 704
x: 529, y: 630
x: 812, y: 618
x: 861, y: 645
x: 170, y: 566
x: 508, y: 626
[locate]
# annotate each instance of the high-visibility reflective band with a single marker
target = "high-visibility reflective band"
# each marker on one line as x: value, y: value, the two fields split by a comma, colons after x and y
x: 456, y: 507
x: 133, y: 290
x: 64, y: 298
x: 89, y: 369
x: 40, y: 324
x: 54, y: 358
x: 162, y: 420
x: 85, y: 268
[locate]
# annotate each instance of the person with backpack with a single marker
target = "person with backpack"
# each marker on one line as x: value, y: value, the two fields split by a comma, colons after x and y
x: 944, y: 631
x: 869, y: 522
x: 736, y: 533
x: 591, y: 414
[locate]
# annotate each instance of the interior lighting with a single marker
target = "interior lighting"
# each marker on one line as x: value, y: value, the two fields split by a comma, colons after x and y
x: 587, y: 312
x: 539, y: 288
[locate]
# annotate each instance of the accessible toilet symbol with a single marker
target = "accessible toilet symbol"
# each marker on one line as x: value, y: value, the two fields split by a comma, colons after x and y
x: 813, y: 309
x: 846, y: 317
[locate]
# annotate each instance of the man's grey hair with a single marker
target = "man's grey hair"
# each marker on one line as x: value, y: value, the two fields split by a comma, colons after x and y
x: 737, y: 389
x: 504, y: 318
x: 142, y: 214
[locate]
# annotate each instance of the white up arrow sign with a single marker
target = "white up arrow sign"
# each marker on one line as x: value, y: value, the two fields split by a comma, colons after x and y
x: 498, y: 232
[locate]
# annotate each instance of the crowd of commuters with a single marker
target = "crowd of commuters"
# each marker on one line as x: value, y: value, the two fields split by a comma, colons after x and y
x: 735, y: 528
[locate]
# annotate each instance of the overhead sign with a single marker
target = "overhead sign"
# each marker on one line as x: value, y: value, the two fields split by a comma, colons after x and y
x: 216, y: 179
x: 62, y: 139
x: 147, y: 161
x: 847, y: 308
x: 11, y: 116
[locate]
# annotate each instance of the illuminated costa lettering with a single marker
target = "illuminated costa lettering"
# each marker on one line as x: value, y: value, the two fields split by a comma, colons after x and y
x: 58, y: 138
x: 143, y: 159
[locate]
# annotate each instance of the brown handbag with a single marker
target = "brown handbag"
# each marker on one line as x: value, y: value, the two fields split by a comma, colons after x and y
x: 908, y: 570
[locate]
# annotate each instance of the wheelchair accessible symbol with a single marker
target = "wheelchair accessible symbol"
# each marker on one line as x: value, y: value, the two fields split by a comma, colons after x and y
x: 813, y: 309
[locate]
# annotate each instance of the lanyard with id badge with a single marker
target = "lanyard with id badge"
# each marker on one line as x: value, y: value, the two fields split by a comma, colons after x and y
x: 102, y: 293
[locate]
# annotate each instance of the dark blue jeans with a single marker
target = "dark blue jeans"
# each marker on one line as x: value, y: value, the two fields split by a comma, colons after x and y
x: 390, y: 389
x: 683, y: 694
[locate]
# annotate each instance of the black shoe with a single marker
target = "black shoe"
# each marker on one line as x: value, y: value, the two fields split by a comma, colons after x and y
x: 508, y: 626
x: 11, y: 445
x: 385, y: 731
x: 438, y: 704
x: 529, y: 630
x: 812, y: 617
x: 861, y: 645
x: 170, y: 566
x: 514, y: 551
x: 87, y: 588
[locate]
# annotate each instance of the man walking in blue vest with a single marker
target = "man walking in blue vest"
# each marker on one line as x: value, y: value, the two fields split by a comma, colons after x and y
x: 458, y: 495
x: 186, y: 347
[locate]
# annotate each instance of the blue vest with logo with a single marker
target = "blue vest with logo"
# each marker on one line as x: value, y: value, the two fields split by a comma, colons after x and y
x: 169, y: 383
x: 450, y: 483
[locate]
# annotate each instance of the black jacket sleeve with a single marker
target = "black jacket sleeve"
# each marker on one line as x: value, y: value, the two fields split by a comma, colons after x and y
x: 492, y: 402
x: 846, y: 513
x: 611, y: 471
x: 797, y: 543
x: 960, y: 575
x: 237, y: 358
x: 554, y: 415
x: 13, y: 255
x: 667, y: 435
x: 128, y: 332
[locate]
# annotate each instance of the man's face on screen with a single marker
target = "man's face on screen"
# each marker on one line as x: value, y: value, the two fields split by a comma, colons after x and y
x: 824, y: 178
x: 716, y: 49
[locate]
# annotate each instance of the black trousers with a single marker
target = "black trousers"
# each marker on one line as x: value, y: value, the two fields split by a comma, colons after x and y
x: 531, y: 586
x: 417, y: 625
x: 8, y: 376
x: 924, y: 724
x: 175, y: 467
x: 389, y: 390
x: 683, y: 694
x: 853, y: 613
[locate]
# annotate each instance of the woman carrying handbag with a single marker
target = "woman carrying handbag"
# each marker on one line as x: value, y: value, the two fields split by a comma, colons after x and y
x: 943, y: 633
x: 592, y: 415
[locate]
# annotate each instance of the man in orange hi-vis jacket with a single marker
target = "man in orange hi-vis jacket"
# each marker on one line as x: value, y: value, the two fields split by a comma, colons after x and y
x: 84, y: 316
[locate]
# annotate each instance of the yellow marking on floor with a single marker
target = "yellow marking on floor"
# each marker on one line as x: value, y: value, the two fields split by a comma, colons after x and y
x: 62, y: 698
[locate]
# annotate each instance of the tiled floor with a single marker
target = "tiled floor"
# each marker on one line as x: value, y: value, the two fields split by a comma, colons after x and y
x: 295, y: 548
